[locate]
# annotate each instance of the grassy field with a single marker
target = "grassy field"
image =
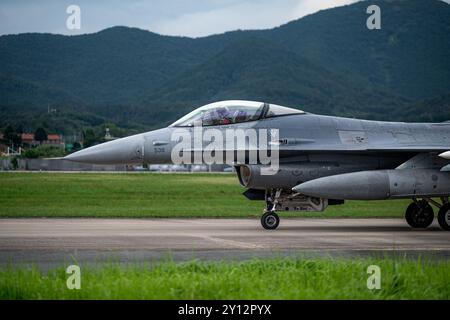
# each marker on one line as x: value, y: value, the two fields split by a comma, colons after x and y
x: 290, y: 278
x: 148, y: 195
x: 198, y: 195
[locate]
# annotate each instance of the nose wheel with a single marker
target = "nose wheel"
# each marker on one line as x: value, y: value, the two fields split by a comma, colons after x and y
x: 270, y: 220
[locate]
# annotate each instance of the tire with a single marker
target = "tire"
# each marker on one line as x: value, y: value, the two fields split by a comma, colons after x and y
x: 419, y: 215
x: 270, y: 220
x: 444, y: 217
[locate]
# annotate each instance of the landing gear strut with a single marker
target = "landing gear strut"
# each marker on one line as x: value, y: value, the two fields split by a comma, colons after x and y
x: 270, y: 220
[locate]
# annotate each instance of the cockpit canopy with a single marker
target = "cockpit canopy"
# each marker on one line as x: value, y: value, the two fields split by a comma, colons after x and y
x: 230, y: 112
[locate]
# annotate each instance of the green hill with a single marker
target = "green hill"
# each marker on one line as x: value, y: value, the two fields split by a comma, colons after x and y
x: 408, y: 56
x: 328, y: 62
x: 256, y: 69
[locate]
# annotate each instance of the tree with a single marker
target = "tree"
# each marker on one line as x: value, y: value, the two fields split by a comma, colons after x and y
x: 76, y: 146
x: 89, y: 138
x: 40, y: 135
x: 19, y: 129
x: 11, y: 137
x: 8, y: 134
x: 43, y: 151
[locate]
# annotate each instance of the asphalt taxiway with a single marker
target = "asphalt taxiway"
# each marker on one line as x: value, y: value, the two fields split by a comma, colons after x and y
x: 47, y: 242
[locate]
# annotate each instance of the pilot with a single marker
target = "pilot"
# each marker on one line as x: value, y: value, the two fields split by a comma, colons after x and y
x: 224, y: 116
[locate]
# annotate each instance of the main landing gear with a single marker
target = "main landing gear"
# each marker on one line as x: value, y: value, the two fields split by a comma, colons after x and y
x: 420, y: 214
x: 444, y: 216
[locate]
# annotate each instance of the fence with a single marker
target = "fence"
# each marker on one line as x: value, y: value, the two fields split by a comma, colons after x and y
x: 57, y: 165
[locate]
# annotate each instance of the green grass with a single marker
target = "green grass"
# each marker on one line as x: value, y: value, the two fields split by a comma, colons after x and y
x: 283, y: 278
x: 148, y: 195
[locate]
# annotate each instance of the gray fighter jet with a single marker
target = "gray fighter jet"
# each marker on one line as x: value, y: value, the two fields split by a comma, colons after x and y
x: 323, y: 160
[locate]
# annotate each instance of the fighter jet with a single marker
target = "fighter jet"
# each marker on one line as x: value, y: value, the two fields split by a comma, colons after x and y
x: 323, y: 160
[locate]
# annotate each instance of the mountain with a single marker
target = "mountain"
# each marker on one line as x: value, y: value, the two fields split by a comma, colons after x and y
x: 409, y: 55
x: 327, y: 62
x: 429, y: 110
x: 110, y: 66
x: 256, y: 69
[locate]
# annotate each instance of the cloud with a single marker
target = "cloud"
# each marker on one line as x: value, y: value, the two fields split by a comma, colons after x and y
x: 306, y: 7
x: 169, y: 17
x: 259, y: 14
x: 237, y: 15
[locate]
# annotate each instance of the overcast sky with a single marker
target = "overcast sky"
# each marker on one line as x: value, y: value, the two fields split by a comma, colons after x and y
x: 192, y: 18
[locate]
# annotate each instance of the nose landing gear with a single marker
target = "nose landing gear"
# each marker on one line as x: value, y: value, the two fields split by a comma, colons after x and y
x: 279, y: 200
x: 270, y: 220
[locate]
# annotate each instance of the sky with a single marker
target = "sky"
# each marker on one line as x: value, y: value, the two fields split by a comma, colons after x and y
x: 193, y: 18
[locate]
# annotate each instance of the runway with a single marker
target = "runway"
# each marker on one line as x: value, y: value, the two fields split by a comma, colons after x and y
x: 51, y: 241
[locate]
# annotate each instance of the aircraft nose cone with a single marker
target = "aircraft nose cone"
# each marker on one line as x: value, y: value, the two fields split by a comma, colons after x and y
x: 122, y: 151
